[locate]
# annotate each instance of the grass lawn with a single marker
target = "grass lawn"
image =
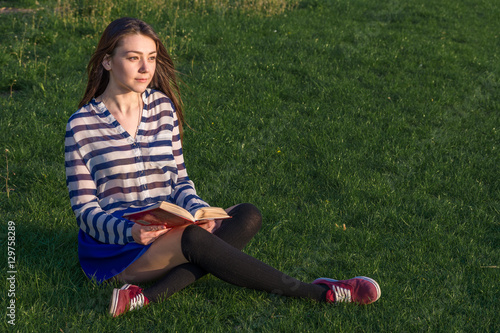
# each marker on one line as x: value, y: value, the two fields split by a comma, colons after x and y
x: 367, y: 132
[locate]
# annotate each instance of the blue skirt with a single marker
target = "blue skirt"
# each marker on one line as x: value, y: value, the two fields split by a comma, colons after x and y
x: 102, y: 261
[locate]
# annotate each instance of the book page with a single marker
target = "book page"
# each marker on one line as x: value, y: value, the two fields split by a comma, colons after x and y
x: 211, y: 213
x: 171, y: 215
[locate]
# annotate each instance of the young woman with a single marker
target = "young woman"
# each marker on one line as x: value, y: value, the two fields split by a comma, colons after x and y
x: 123, y: 152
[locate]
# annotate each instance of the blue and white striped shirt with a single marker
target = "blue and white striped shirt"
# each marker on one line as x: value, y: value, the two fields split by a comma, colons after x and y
x: 108, y: 172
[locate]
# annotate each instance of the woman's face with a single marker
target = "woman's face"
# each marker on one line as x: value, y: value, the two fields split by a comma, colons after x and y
x: 132, y: 66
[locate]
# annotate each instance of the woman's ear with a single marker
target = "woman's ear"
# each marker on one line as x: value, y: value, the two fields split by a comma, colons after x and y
x: 106, y: 62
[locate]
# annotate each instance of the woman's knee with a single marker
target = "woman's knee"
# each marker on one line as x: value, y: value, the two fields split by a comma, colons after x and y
x: 250, y: 215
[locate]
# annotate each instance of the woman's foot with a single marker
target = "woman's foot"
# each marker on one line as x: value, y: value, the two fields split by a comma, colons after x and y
x: 360, y: 289
x: 127, y: 298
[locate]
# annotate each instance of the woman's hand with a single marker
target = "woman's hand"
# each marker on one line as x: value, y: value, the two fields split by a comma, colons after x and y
x: 147, y: 234
x: 209, y: 225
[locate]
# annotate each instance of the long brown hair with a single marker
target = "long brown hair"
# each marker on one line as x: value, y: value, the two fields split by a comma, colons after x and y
x: 164, y: 79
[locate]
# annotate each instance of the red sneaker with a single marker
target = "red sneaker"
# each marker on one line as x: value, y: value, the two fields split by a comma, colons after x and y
x: 361, y: 290
x: 127, y: 298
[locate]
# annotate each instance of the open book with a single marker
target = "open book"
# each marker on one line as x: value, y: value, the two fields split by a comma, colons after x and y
x: 171, y: 215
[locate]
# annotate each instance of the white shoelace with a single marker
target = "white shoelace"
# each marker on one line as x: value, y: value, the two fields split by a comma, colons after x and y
x: 137, y: 302
x: 341, y: 294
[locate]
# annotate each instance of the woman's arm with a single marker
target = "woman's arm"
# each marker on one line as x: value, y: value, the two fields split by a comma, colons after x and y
x: 184, y: 194
x: 84, y: 202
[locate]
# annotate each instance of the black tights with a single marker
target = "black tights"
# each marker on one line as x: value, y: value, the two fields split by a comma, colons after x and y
x: 220, y: 254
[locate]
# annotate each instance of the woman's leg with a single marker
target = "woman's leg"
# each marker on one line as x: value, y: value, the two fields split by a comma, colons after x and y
x: 163, y: 255
x: 231, y: 265
x: 196, y: 251
x: 241, y: 228
x: 238, y: 231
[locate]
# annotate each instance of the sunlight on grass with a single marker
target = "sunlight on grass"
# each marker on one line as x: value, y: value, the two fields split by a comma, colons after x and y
x: 72, y: 11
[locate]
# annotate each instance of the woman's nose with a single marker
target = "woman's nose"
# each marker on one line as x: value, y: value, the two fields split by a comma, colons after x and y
x: 144, y: 67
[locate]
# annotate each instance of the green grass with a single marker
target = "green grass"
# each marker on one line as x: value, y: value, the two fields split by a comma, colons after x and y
x: 383, y: 116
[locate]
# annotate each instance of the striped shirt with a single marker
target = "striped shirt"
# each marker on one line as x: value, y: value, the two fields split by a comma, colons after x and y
x: 109, y: 173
